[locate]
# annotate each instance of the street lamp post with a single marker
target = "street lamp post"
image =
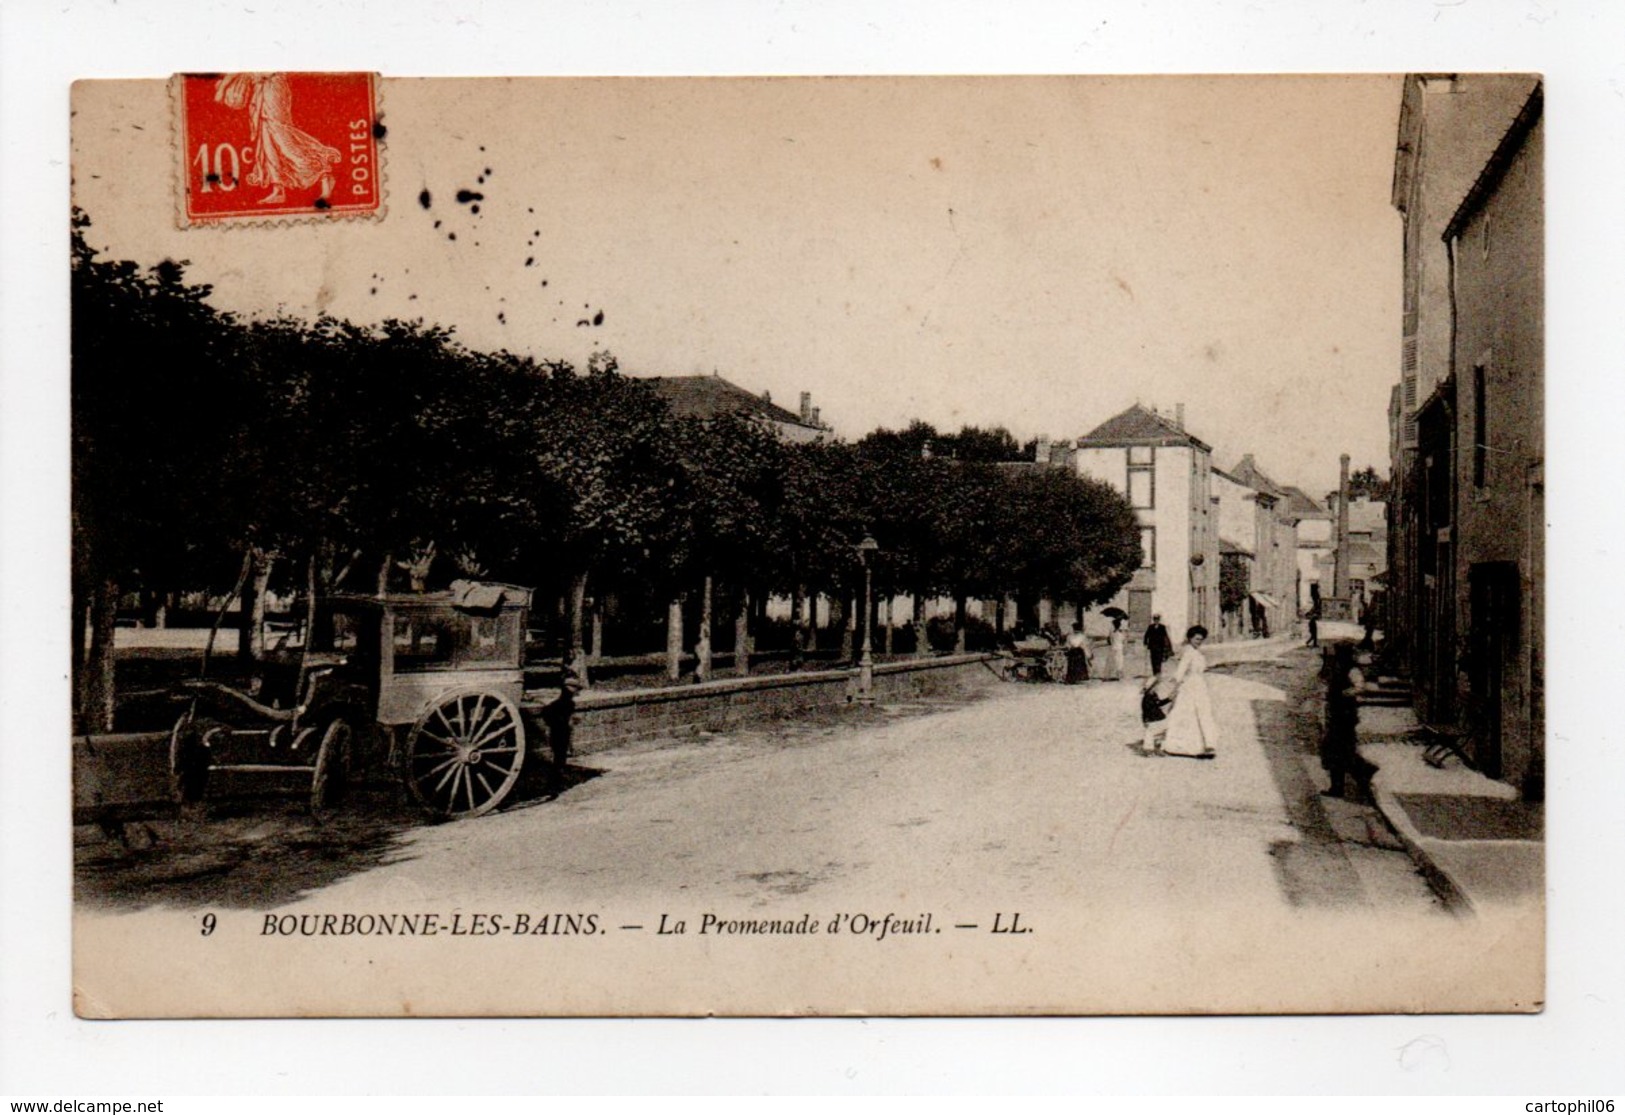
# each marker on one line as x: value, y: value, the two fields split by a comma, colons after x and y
x: 866, y: 658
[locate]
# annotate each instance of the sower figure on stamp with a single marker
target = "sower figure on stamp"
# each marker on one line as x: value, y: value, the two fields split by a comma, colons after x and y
x: 1158, y: 644
x: 284, y: 156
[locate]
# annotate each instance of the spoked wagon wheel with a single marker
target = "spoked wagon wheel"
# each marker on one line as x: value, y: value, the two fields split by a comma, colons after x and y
x: 327, y: 781
x: 463, y: 755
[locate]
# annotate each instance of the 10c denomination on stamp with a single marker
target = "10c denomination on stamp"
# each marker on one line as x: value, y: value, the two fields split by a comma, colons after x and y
x: 273, y: 146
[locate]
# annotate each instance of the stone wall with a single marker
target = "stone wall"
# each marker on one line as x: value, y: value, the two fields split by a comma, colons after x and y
x: 126, y: 776
x: 604, y: 719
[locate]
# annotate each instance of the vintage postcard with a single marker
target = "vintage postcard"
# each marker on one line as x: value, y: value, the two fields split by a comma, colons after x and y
x: 793, y: 546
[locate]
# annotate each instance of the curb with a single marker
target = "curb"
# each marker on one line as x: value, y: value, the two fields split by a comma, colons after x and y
x: 1444, y: 884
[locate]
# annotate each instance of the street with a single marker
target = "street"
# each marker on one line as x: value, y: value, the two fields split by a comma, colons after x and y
x: 1038, y: 791
x: 1016, y: 839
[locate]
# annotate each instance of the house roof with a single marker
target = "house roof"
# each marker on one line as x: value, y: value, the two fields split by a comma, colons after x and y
x: 1139, y: 426
x: 1302, y: 505
x: 712, y: 396
x: 1247, y: 472
x: 1229, y: 546
x: 1364, y: 553
x: 1489, y: 178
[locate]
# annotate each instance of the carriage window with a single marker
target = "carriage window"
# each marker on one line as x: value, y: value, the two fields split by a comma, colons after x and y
x: 449, y: 640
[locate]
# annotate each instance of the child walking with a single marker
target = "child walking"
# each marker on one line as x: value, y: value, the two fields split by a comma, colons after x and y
x: 1154, y: 714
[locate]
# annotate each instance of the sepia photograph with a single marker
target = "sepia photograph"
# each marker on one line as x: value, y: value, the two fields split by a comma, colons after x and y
x: 807, y: 546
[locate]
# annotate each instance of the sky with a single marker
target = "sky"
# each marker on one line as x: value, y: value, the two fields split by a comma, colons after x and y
x: 1037, y: 253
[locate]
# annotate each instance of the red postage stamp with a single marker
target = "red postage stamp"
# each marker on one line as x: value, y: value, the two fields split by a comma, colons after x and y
x: 271, y: 146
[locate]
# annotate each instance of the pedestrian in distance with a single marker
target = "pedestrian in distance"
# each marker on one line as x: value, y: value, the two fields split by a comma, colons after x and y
x: 558, y: 716
x: 1313, y: 616
x: 1339, y: 754
x: 1158, y: 644
x: 1193, y: 729
x: 1078, y: 655
x: 1117, y: 647
x: 1155, y: 698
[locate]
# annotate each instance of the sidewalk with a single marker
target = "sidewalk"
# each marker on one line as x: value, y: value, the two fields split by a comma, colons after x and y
x: 1475, y: 841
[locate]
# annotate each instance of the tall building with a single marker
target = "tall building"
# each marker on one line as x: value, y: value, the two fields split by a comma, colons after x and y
x: 1258, y: 533
x: 1466, y: 514
x: 1448, y: 126
x: 1167, y: 475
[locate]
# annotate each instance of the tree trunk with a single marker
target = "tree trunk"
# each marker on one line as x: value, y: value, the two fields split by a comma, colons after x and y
x: 674, y: 640
x: 80, y: 620
x: 310, y: 627
x: 575, y: 605
x: 251, y: 636
x: 220, y: 616
x: 922, y: 645
x: 960, y: 605
x: 99, y: 690
x: 889, y: 618
x: 798, y: 631
x: 702, y: 645
x: 845, y: 616
x: 597, y: 613
x: 384, y: 571
x: 742, y: 635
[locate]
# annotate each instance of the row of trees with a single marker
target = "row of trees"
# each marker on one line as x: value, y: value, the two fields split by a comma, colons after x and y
x: 215, y: 453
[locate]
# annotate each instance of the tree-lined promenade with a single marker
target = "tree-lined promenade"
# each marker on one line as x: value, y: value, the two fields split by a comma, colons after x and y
x: 239, y: 457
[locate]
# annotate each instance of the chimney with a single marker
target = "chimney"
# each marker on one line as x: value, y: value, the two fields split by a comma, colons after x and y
x: 767, y: 396
x: 1042, y: 455
x: 815, y: 420
x: 806, y: 407
x: 1179, y: 415
x: 1340, y: 567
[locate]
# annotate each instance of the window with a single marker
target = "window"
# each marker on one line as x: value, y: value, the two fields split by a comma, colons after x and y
x: 1148, y: 547
x: 1142, y: 477
x: 1480, y: 427
x: 1139, y: 488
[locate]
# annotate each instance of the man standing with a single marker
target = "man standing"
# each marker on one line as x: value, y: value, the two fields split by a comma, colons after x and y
x: 1158, y: 644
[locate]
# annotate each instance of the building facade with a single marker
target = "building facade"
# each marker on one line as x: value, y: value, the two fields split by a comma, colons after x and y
x: 1466, y: 522
x: 1167, y: 475
x: 1448, y: 127
x: 1258, y: 536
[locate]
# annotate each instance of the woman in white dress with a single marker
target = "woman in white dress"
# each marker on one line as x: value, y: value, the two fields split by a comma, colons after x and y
x: 1193, y: 730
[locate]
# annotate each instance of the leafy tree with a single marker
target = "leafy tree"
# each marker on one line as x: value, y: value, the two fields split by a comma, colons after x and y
x: 1364, y: 483
x: 1072, y: 539
x: 603, y: 440
x: 158, y: 404
x: 973, y: 443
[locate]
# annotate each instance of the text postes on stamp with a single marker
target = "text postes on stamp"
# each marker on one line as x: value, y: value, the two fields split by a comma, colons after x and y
x: 269, y: 146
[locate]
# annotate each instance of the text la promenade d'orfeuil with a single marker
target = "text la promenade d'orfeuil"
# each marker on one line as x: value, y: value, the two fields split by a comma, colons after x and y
x: 879, y: 927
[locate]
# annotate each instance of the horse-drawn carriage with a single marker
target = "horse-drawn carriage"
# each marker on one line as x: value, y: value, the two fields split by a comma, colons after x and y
x: 1035, y: 658
x: 432, y: 682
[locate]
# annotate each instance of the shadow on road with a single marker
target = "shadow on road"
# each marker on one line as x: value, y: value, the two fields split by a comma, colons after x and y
x: 1313, y: 870
x: 262, y: 850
